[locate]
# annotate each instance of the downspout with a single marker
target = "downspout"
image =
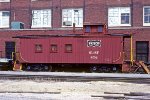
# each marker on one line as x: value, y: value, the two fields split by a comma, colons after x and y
x: 131, y: 49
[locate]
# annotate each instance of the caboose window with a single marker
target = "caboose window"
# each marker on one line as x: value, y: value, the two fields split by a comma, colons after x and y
x: 87, y: 29
x: 38, y: 48
x: 68, y: 47
x: 100, y: 28
x: 53, y: 48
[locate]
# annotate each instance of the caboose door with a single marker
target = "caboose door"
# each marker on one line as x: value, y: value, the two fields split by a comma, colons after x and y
x: 9, y: 48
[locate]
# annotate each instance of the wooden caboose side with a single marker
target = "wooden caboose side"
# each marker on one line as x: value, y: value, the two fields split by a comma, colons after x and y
x: 93, y: 48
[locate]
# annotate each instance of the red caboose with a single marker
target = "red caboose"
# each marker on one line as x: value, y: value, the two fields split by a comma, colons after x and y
x: 93, y: 50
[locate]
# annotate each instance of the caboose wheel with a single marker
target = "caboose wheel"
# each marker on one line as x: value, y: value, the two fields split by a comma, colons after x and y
x: 93, y: 69
x: 37, y: 68
x: 50, y: 68
x: 46, y: 68
x: 28, y: 68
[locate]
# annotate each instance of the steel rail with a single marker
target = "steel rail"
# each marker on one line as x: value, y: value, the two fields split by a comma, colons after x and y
x: 75, y: 77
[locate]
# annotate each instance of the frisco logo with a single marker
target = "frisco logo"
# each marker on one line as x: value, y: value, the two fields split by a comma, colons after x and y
x: 93, y: 43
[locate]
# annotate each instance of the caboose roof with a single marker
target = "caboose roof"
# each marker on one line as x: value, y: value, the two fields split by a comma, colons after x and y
x: 49, y: 35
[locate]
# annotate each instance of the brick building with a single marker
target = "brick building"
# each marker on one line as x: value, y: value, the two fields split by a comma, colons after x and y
x: 46, y: 16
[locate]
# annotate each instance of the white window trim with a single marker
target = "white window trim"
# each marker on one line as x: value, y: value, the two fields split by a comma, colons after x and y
x: 4, y: 0
x: 120, y: 18
x: 43, y: 26
x: 145, y: 24
x: 2, y: 21
x: 34, y: 0
x: 73, y: 17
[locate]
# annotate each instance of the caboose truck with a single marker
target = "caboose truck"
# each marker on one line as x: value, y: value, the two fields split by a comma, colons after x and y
x: 94, y: 51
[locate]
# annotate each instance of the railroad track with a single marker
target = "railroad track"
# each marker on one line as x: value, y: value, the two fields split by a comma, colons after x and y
x: 124, y: 96
x: 75, y: 77
x: 105, y: 96
x: 80, y: 77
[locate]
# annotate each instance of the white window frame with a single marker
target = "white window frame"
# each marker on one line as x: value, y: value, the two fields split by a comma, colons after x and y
x: 4, y: 20
x: 72, y: 15
x: 34, y: 0
x: 40, y: 18
x: 4, y: 0
x: 145, y: 24
x: 116, y: 12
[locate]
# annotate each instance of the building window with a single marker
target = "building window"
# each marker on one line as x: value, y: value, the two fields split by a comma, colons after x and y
x: 53, y: 48
x: 146, y: 16
x: 4, y: 0
x: 38, y: 48
x: 70, y: 16
x: 119, y: 16
x: 68, y: 48
x: 4, y: 19
x: 34, y: 0
x: 142, y: 50
x: 41, y: 18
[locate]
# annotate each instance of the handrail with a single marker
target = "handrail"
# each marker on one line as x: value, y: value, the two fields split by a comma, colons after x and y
x: 1, y: 55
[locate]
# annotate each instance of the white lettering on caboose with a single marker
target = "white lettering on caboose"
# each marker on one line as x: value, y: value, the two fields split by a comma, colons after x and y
x: 94, y: 52
x: 93, y: 55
